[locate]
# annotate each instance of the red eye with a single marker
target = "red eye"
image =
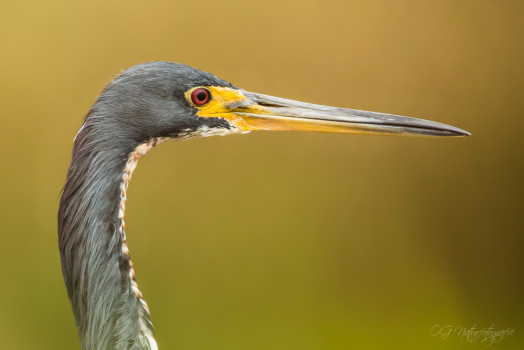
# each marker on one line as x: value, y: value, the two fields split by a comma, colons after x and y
x: 200, y: 96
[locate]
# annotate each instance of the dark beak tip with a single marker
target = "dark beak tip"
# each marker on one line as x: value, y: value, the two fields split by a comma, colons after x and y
x: 453, y: 131
x: 463, y: 133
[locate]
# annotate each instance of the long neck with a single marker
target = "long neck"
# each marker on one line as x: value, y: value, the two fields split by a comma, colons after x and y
x: 110, y: 311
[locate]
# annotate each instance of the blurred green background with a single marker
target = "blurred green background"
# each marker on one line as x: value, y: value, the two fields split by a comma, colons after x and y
x: 281, y: 240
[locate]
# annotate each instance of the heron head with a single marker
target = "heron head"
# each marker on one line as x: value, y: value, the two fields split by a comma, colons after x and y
x: 163, y: 99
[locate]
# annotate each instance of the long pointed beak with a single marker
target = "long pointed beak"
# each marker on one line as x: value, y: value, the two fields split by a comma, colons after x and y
x: 263, y: 112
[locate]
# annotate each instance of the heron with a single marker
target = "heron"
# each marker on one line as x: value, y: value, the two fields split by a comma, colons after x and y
x: 142, y: 107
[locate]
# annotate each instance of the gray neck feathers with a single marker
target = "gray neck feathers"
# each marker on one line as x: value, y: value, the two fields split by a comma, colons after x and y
x: 110, y: 311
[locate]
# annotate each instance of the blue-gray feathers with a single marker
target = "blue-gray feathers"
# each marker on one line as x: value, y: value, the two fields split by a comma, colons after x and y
x: 143, y: 103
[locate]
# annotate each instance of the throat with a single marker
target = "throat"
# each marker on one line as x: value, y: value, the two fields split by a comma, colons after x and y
x: 126, y: 264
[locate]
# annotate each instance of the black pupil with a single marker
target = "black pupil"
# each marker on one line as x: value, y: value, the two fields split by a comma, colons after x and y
x: 201, y: 96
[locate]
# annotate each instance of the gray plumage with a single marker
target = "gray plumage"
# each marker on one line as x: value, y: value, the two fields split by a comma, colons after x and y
x: 143, y: 103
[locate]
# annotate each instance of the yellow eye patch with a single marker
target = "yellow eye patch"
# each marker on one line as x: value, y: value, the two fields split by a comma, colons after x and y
x: 222, y: 105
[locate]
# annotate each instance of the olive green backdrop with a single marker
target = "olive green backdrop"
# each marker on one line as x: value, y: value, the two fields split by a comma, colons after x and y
x: 281, y: 240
